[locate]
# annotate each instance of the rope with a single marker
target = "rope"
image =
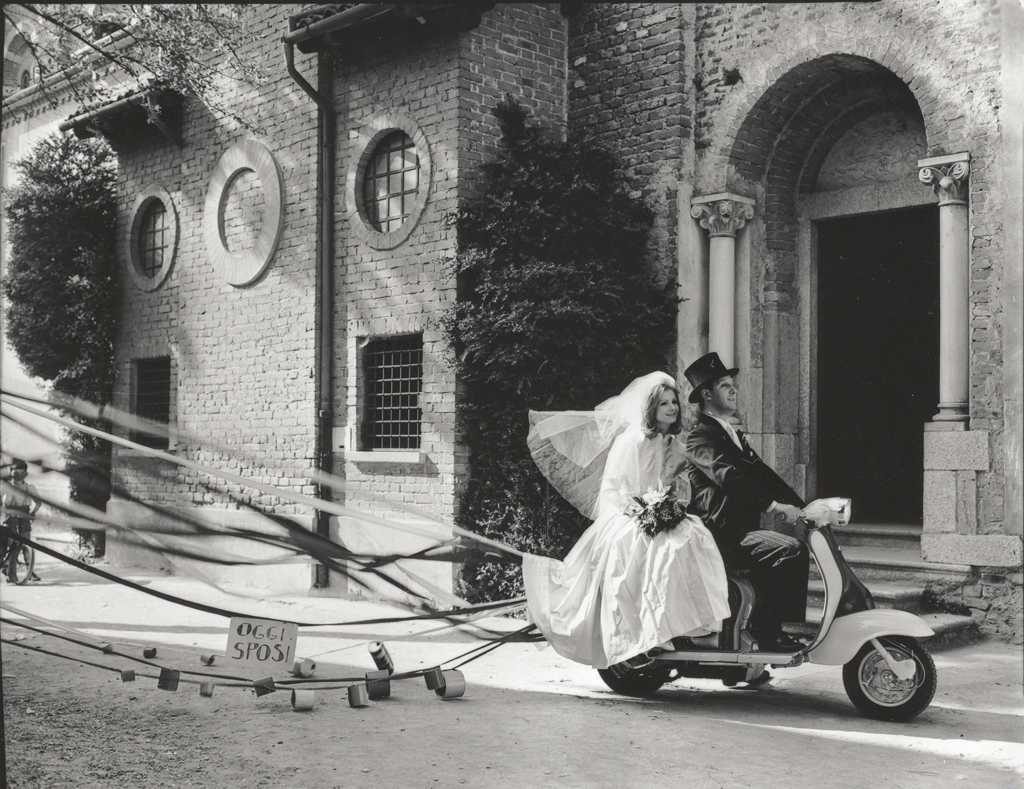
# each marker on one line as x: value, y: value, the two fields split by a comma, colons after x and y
x: 272, y: 490
x: 116, y: 416
x: 114, y: 652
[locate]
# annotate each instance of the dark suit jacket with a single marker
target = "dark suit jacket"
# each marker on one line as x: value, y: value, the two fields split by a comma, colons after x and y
x: 730, y: 487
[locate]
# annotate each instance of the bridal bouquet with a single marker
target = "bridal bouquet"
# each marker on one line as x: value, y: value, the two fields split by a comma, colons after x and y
x: 657, y: 510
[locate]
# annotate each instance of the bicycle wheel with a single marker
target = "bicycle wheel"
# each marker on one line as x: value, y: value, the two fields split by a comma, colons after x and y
x: 20, y: 564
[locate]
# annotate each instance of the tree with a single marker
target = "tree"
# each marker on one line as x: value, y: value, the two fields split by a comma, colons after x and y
x: 102, y: 50
x: 556, y: 309
x: 61, y: 287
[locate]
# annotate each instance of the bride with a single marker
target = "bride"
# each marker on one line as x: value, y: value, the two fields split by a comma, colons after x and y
x: 620, y: 592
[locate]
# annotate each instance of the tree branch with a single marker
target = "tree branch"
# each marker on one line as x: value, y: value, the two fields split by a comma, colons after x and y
x: 74, y: 33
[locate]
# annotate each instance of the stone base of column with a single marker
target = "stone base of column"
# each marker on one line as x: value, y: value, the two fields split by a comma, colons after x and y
x: 951, y: 412
x: 944, y: 426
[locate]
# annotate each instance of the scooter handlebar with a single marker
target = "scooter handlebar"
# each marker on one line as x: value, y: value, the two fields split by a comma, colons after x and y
x: 834, y: 511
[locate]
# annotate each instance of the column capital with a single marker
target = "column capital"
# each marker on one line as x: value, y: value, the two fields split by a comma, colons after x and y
x: 722, y: 214
x: 947, y: 176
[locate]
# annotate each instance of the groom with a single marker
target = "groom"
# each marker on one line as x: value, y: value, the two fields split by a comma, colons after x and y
x: 730, y: 487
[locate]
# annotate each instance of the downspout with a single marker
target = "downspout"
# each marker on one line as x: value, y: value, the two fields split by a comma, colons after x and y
x: 326, y: 132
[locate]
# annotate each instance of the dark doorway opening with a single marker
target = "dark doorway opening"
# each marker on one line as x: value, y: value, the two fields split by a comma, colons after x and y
x: 878, y: 370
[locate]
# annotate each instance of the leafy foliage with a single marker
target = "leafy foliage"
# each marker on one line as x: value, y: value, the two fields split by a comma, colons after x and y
x: 61, y: 286
x: 556, y: 309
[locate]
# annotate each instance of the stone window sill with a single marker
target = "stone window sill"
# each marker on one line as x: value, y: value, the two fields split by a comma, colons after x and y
x: 406, y: 456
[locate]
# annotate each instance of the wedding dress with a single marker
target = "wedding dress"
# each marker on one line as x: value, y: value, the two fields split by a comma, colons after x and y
x: 619, y: 592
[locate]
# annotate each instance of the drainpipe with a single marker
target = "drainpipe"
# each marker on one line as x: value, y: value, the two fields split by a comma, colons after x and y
x: 326, y: 132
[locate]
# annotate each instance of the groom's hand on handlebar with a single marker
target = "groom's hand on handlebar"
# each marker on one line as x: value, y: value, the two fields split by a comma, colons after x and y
x: 790, y: 520
x: 787, y: 512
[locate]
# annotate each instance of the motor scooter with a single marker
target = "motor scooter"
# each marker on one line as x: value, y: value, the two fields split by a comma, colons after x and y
x: 887, y: 673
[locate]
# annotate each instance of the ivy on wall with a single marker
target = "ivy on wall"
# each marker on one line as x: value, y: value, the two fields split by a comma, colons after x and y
x: 556, y: 309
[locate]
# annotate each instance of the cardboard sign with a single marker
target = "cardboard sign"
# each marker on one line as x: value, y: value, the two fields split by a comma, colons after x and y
x: 261, y: 642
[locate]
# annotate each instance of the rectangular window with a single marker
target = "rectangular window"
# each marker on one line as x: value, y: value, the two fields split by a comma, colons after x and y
x: 393, y: 367
x: 152, y: 397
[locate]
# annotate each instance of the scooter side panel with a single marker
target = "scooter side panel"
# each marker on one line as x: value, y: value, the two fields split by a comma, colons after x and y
x: 849, y: 633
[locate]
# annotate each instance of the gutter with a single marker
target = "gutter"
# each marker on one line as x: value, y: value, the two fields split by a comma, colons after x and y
x: 86, y: 117
x: 326, y: 193
x: 350, y: 17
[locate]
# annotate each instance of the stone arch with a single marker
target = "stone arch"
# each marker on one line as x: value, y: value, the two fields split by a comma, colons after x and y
x: 795, y: 72
x: 18, y: 60
x: 787, y: 132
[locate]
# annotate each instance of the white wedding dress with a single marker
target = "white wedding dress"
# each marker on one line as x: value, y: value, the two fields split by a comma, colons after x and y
x: 620, y: 592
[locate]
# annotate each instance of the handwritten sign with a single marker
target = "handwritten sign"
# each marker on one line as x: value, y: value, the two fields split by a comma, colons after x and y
x: 261, y: 642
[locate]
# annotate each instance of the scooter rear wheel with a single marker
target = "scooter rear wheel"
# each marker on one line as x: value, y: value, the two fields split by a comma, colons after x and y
x: 878, y: 693
x: 639, y: 682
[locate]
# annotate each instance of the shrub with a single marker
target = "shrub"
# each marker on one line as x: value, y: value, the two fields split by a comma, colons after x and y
x: 556, y: 309
x: 61, y: 287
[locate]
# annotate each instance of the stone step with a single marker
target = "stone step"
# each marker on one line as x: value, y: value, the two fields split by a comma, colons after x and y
x: 951, y: 630
x: 886, y: 594
x: 879, y: 535
x: 899, y: 564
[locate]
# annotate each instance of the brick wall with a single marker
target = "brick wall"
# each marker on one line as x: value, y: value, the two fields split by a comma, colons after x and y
x: 242, y: 358
x: 629, y: 93
x: 441, y: 88
x: 518, y: 49
x: 382, y: 292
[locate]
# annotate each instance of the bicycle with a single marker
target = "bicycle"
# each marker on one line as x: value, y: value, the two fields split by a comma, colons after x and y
x: 18, y: 560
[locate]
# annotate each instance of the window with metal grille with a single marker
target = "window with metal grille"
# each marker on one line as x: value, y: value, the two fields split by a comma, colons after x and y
x: 394, y: 377
x: 152, y: 397
x: 153, y: 236
x: 391, y: 181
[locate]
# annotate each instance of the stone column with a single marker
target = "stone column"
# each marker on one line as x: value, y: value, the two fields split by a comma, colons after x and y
x: 722, y: 215
x: 948, y: 177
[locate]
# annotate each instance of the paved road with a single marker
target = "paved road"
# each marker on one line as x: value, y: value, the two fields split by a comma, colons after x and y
x: 528, y: 717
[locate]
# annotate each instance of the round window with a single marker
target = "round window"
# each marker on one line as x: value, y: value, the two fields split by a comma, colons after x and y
x: 389, y: 181
x: 152, y: 239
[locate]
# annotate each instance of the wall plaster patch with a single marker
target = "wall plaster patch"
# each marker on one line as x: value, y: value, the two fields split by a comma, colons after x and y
x: 246, y: 266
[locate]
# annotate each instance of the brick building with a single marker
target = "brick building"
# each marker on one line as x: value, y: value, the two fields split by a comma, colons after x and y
x: 837, y: 187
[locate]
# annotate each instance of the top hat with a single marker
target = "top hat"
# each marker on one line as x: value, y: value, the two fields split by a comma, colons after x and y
x: 706, y: 370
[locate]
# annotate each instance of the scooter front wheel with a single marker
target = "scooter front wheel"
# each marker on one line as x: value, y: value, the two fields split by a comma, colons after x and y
x: 876, y: 691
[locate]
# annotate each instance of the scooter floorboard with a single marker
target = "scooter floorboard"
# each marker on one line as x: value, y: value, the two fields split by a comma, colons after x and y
x: 724, y: 657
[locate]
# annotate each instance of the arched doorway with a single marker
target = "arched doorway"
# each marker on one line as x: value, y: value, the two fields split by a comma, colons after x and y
x: 829, y: 152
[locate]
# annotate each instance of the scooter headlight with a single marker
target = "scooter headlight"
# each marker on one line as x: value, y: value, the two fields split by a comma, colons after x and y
x: 834, y: 511
x: 842, y: 507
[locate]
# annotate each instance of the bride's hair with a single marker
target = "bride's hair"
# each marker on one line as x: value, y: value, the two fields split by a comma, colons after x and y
x: 649, y: 419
